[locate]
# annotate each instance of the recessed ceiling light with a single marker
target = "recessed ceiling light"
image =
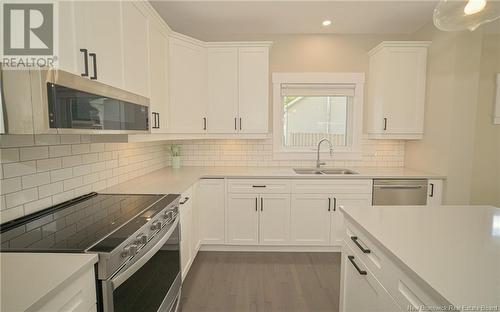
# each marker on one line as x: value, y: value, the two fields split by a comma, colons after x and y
x: 327, y: 23
x: 474, y: 6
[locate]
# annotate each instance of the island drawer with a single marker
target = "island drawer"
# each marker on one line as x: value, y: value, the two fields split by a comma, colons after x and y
x: 340, y: 186
x: 259, y: 186
x: 405, y: 287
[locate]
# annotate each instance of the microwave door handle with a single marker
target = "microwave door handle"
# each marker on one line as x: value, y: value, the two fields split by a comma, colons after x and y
x: 121, y: 277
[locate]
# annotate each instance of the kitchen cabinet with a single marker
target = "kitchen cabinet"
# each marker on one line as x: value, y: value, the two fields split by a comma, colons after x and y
x: 238, y: 84
x: 274, y: 219
x: 360, y: 290
x: 210, y: 202
x: 310, y: 219
x: 337, y: 218
x: 223, y: 90
x: 435, y: 193
x: 78, y: 295
x: 242, y: 219
x: 135, y: 49
x: 396, y: 90
x: 253, y: 86
x: 158, y: 78
x: 98, y: 30
x: 187, y: 86
x: 186, y: 221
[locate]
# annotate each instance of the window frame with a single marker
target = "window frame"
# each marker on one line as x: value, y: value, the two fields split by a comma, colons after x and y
x: 354, y: 127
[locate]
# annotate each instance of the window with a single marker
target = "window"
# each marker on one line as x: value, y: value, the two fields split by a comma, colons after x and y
x: 309, y: 107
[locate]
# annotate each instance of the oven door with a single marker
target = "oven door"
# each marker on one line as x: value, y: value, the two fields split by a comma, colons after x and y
x: 150, y: 284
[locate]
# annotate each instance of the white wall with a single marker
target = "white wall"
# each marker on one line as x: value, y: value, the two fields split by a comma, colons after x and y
x: 451, y: 114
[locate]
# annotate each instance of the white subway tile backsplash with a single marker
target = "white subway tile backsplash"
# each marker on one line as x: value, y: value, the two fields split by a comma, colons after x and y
x: 10, y: 185
x: 19, y: 169
x: 71, y: 161
x: 72, y: 183
x: 62, y: 197
x: 82, y: 170
x: 80, y: 149
x: 21, y: 197
x: 50, y: 189
x: 59, y: 150
x: 70, y: 139
x: 37, y: 205
x: 47, y: 139
x: 48, y: 164
x: 36, y: 179
x: 61, y: 174
x: 9, y: 155
x: 34, y: 153
x: 10, y: 214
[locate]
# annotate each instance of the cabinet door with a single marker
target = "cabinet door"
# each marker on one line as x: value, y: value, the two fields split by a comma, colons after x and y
x: 210, y: 203
x: 242, y: 219
x: 188, y: 87
x: 363, y: 293
x: 274, y: 222
x: 135, y: 49
x: 100, y: 26
x: 404, y: 89
x: 337, y: 217
x: 186, y: 218
x: 310, y: 219
x: 158, y: 100
x: 70, y: 57
x: 223, y: 90
x: 253, y: 82
x: 435, y: 193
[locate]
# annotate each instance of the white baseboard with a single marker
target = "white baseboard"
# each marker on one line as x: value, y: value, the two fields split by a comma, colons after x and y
x: 261, y: 248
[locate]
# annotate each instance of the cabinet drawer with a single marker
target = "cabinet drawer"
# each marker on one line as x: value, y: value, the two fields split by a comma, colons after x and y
x: 258, y: 186
x: 78, y: 296
x: 340, y: 186
x: 403, y: 285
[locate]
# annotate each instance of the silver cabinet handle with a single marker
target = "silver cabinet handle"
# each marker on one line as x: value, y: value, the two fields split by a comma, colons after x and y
x: 398, y: 186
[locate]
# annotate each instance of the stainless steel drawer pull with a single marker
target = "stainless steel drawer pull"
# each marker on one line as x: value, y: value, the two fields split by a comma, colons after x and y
x: 398, y: 186
x: 258, y: 186
x: 363, y: 249
x: 185, y: 201
x: 351, y: 258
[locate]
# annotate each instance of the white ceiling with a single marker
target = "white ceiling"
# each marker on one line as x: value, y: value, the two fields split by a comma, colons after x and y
x: 203, y: 19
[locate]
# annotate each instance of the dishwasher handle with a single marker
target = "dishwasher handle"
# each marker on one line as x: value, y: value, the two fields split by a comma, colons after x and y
x: 394, y: 186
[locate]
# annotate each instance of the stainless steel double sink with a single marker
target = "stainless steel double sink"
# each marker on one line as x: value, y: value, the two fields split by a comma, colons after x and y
x: 326, y: 171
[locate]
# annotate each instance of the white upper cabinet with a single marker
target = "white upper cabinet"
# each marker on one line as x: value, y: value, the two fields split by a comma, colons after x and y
x: 187, y: 86
x: 396, y: 90
x: 135, y: 49
x: 253, y: 86
x: 98, y: 33
x: 158, y: 78
x: 223, y: 90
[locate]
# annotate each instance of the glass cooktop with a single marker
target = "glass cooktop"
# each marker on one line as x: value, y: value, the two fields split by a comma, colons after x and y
x: 76, y: 225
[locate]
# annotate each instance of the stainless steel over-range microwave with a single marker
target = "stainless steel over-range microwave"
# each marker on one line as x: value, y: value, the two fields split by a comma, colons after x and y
x: 64, y: 103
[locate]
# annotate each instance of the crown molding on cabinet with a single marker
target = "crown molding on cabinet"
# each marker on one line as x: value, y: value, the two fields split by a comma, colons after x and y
x: 399, y: 44
x: 216, y: 44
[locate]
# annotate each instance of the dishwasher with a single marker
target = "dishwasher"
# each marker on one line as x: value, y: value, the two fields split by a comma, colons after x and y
x: 399, y: 192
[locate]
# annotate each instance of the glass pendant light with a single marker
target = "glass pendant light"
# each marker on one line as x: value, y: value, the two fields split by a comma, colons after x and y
x: 456, y: 15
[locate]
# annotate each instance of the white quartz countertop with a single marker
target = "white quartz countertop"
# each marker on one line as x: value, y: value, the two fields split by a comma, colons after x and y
x: 168, y: 180
x: 455, y: 249
x: 28, y: 278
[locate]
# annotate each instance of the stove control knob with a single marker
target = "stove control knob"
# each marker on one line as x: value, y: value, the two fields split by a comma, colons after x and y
x: 129, y: 251
x: 141, y: 239
x: 168, y: 215
x: 156, y: 226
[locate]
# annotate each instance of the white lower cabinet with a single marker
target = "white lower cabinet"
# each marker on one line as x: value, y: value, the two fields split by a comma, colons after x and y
x: 187, y: 227
x: 310, y: 219
x: 78, y: 296
x: 210, y: 202
x: 337, y: 218
x: 242, y: 219
x: 258, y: 219
x: 274, y: 222
x: 435, y: 193
x: 360, y: 290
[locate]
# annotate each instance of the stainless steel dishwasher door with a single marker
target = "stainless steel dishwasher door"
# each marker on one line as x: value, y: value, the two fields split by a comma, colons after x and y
x: 408, y: 192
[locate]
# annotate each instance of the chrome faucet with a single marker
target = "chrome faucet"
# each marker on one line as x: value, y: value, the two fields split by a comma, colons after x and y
x: 318, y: 162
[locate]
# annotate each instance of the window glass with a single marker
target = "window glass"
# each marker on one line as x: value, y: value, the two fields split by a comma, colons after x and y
x: 307, y: 119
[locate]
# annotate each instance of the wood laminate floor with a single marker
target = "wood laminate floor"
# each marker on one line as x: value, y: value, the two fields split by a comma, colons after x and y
x: 262, y: 281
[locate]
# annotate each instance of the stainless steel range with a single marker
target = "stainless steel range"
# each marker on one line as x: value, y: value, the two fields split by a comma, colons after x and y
x: 137, y: 238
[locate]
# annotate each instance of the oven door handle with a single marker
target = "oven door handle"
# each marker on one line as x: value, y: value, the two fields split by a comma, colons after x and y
x: 123, y: 276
